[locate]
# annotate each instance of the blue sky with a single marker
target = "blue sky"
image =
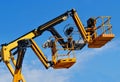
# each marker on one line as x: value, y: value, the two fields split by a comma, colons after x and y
x: 93, y: 65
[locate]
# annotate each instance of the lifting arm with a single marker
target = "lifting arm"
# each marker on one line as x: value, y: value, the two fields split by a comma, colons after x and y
x: 6, y: 50
x: 79, y: 25
x: 31, y: 35
x: 36, y: 32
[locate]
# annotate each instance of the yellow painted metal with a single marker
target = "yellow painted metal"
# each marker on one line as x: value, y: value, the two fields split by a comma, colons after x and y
x: 91, y: 32
x: 106, y: 33
x: 17, y: 71
x: 17, y: 76
x: 64, y: 63
x: 5, y: 54
x: 9, y: 66
x: 39, y: 53
x: 93, y: 41
x: 14, y: 44
x: 101, y: 40
x: 56, y: 20
x: 54, y: 53
x: 7, y: 48
x: 13, y: 72
x: 80, y: 26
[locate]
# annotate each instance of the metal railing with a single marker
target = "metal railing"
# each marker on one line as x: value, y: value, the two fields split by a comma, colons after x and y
x: 67, y: 52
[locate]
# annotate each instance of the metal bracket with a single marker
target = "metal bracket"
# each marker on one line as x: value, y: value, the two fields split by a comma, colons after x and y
x: 22, y: 46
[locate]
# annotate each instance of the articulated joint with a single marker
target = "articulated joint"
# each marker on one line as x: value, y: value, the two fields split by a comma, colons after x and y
x: 22, y: 46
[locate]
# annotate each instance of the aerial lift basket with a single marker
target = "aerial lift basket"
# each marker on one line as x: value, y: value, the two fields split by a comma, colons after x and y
x: 103, y: 33
x: 63, y: 57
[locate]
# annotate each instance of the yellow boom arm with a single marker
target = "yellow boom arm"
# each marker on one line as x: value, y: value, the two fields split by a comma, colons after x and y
x: 6, y: 50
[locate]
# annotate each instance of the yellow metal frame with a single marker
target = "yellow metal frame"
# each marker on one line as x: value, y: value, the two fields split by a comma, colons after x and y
x: 7, y: 56
x: 64, y: 62
x: 16, y: 73
x: 39, y: 53
x: 105, y: 35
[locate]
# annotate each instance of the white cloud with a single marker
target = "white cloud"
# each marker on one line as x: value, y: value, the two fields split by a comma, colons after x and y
x: 5, y: 76
x: 38, y: 75
x: 86, y: 54
x: 32, y: 74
